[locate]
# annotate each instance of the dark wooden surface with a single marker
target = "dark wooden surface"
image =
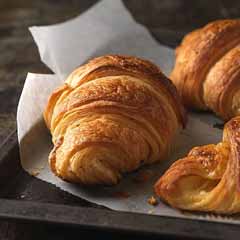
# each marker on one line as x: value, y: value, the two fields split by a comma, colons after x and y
x: 167, y: 20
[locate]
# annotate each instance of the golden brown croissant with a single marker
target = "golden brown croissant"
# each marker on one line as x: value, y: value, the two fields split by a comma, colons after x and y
x: 208, y: 179
x: 207, y: 68
x: 112, y: 115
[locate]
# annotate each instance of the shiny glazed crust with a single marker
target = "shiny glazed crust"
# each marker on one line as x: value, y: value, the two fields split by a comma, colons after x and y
x: 112, y: 115
x: 207, y: 68
x: 208, y: 179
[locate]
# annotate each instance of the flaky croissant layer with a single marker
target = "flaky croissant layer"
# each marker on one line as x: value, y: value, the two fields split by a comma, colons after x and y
x: 207, y: 68
x: 112, y: 115
x: 208, y: 179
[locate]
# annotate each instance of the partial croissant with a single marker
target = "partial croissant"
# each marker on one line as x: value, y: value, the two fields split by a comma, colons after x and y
x: 208, y: 179
x: 207, y: 68
x: 112, y: 115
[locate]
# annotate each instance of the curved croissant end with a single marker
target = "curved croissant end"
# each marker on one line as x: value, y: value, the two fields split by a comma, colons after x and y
x: 208, y: 179
x: 207, y: 68
x: 112, y: 115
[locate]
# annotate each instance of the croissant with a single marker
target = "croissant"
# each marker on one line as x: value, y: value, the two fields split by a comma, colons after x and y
x: 112, y: 115
x: 207, y: 68
x: 208, y: 179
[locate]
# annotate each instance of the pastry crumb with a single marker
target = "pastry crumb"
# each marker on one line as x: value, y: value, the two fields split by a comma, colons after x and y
x: 150, y: 212
x: 34, y: 173
x: 152, y: 201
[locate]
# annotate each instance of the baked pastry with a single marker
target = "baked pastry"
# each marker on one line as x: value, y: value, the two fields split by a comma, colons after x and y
x: 208, y: 179
x: 207, y: 68
x: 112, y: 115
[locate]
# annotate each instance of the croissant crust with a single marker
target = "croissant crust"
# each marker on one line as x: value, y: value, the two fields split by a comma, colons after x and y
x: 207, y: 68
x: 112, y: 115
x: 208, y: 179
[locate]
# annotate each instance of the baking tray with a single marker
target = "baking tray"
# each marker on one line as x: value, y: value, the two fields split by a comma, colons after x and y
x: 26, y: 198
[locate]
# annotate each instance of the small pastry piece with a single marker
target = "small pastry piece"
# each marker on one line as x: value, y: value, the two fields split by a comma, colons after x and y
x: 152, y: 201
x: 112, y: 115
x: 207, y: 68
x: 208, y: 179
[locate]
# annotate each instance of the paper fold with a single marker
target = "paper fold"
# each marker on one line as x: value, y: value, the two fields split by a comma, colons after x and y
x: 106, y: 28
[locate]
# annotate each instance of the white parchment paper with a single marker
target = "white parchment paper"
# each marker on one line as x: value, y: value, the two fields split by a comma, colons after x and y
x: 105, y: 28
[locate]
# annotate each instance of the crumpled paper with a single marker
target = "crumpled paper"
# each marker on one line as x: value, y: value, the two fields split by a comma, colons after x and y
x: 106, y: 28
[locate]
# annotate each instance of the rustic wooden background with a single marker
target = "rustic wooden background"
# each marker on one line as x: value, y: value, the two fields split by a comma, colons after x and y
x: 167, y: 20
